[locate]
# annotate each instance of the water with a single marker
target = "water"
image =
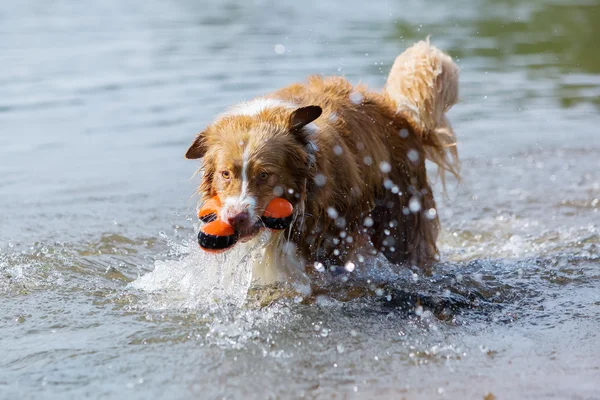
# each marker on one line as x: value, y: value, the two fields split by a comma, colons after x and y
x: 98, y: 102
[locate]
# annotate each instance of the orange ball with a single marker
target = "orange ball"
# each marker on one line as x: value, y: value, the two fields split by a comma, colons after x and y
x: 278, y: 214
x: 217, y: 236
x: 210, y: 209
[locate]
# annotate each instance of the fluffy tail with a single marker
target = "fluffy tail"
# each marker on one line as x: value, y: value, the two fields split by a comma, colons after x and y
x: 423, y: 85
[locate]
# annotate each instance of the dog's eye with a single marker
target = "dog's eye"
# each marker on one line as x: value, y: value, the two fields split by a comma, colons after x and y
x: 225, y: 174
x: 263, y: 176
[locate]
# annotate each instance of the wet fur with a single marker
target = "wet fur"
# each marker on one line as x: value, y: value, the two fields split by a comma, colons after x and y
x: 350, y: 146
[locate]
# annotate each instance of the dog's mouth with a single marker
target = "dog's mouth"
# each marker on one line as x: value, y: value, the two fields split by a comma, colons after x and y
x: 250, y: 232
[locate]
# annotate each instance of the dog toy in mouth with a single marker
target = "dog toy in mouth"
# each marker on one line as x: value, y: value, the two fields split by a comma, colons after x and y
x: 216, y: 235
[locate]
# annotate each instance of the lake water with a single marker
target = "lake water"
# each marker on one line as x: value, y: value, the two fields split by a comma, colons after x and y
x: 98, y: 103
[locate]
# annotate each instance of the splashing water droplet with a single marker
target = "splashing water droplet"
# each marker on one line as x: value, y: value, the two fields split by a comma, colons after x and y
x: 332, y: 212
x: 413, y: 155
x: 277, y: 191
x: 385, y: 167
x: 414, y: 204
x: 431, y: 213
x: 356, y: 97
x: 320, y: 180
x: 279, y: 48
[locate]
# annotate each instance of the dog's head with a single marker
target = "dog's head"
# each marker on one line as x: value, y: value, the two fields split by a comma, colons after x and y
x: 254, y: 153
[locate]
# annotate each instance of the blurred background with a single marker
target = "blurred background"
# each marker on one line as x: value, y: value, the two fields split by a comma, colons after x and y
x: 99, y: 101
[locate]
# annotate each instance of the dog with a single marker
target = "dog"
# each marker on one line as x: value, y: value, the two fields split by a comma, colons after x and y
x: 351, y: 161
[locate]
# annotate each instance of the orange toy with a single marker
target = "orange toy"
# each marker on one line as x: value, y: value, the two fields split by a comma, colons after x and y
x: 216, y: 235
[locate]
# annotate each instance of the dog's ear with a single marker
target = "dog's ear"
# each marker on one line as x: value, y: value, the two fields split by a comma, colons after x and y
x: 303, y: 116
x: 198, y: 147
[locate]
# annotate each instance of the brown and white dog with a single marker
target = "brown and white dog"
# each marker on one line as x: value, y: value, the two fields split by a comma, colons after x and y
x: 351, y: 161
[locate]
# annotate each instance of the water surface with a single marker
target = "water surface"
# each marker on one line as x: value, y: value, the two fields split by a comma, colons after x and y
x: 98, y: 102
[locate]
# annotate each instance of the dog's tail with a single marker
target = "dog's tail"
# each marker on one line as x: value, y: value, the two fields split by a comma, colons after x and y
x: 423, y: 85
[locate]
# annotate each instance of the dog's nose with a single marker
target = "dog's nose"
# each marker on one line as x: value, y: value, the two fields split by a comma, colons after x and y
x: 239, y: 220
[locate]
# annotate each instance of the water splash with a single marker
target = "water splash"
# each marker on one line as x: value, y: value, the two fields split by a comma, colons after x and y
x: 199, y: 278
